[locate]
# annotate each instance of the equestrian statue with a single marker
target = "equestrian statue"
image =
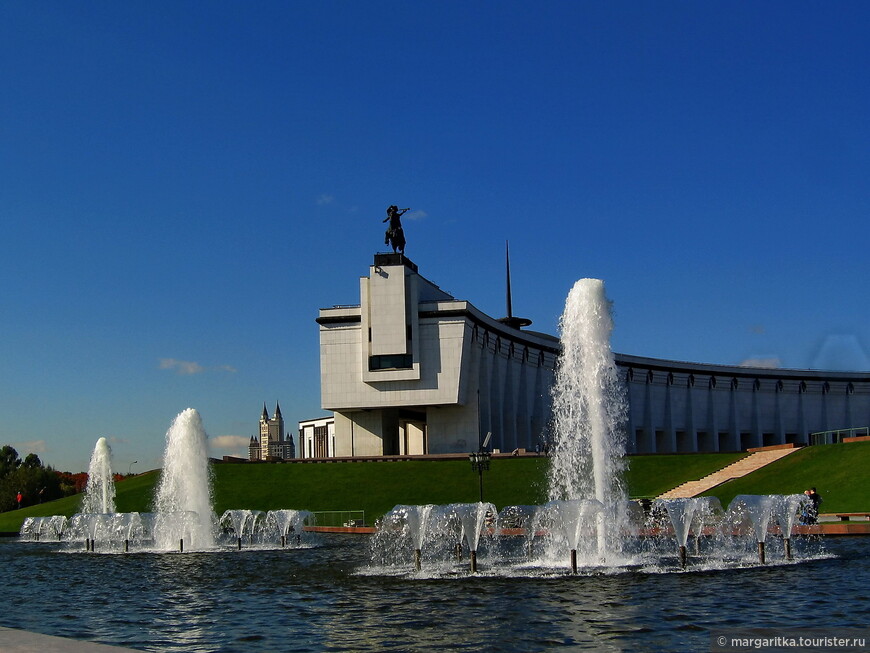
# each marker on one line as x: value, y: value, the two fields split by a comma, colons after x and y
x: 394, y: 235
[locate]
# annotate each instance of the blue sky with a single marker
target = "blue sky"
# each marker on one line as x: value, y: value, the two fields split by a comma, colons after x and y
x: 183, y: 185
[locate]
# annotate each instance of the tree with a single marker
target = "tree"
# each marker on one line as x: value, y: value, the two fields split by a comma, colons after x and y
x: 36, y: 482
x: 9, y: 461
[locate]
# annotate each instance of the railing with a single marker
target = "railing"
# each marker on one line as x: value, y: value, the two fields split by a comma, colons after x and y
x: 837, y: 435
x: 340, y: 518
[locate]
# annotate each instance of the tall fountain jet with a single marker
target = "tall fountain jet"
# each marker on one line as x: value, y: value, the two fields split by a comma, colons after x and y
x: 99, y: 495
x: 183, y: 501
x: 590, y: 412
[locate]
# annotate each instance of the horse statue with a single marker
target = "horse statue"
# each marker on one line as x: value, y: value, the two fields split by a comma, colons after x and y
x: 395, y: 235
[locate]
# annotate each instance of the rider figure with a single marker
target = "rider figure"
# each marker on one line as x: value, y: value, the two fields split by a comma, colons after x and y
x: 395, y: 233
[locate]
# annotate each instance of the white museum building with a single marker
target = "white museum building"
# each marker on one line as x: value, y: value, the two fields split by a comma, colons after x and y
x: 411, y: 370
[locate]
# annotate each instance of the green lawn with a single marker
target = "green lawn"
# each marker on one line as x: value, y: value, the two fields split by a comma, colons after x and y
x: 838, y: 471
x: 375, y: 487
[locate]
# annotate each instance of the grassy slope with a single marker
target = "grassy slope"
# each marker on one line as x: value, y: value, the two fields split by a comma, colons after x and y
x: 374, y: 487
x: 377, y: 487
x: 650, y: 476
x: 838, y: 471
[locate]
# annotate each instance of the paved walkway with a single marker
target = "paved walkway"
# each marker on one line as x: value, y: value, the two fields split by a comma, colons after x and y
x: 742, y: 467
x: 13, y: 640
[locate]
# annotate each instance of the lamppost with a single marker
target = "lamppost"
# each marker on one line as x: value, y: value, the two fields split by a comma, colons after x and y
x: 480, y: 461
x: 130, y: 468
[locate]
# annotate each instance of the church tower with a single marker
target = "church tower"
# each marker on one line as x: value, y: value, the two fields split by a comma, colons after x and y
x: 271, y: 434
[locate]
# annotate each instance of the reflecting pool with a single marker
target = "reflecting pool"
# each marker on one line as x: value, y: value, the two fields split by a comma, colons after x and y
x: 330, y: 597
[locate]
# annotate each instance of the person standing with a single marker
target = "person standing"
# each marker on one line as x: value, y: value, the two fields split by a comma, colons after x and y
x: 816, y: 501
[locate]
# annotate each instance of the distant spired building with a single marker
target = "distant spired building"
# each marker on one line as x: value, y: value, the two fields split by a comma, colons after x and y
x: 272, y: 443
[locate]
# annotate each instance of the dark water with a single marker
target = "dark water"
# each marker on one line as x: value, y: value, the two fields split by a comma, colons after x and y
x: 326, y: 599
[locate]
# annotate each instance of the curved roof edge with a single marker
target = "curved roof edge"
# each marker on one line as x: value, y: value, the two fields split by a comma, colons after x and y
x: 628, y: 360
x: 463, y: 308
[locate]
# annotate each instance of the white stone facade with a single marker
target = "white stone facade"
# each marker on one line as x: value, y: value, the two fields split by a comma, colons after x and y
x: 687, y: 407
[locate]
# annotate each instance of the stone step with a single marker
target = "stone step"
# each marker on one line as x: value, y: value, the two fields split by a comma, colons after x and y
x: 742, y: 467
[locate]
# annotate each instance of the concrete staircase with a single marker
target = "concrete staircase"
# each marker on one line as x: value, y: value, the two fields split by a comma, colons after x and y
x: 757, y: 459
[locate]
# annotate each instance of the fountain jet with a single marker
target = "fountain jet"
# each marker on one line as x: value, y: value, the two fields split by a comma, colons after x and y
x: 183, y: 499
x: 99, y: 495
x: 590, y: 411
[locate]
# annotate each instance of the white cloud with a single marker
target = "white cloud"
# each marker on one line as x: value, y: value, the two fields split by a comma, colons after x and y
x: 325, y: 199
x: 33, y: 446
x: 229, y: 441
x: 181, y: 367
x: 190, y: 367
x: 231, y: 445
x: 415, y: 215
x: 766, y: 362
